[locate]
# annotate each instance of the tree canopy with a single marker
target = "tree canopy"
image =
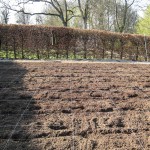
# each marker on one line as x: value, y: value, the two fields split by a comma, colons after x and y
x: 143, y: 25
x: 111, y: 15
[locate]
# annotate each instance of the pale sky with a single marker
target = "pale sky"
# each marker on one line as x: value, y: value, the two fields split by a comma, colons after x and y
x: 35, y: 7
x: 38, y: 7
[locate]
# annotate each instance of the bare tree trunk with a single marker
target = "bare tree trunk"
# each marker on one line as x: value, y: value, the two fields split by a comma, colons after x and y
x: 5, y: 15
x: 84, y: 12
x: 85, y: 23
x: 122, y: 25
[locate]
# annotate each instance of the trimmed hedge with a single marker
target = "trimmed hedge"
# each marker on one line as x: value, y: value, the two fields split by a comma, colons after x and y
x: 42, y: 42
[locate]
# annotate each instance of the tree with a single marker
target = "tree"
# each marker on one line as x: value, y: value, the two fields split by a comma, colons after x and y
x: 143, y: 24
x: 131, y: 21
x: 84, y: 8
x: 110, y: 15
x: 63, y: 9
x: 53, y: 21
x: 23, y: 18
x: 122, y: 13
x: 39, y: 19
x: 102, y: 14
x: 5, y: 16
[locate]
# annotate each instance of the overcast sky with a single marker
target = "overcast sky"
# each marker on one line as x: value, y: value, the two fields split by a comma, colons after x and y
x: 38, y: 7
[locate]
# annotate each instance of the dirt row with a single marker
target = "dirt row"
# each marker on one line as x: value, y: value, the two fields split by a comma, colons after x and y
x: 76, y: 106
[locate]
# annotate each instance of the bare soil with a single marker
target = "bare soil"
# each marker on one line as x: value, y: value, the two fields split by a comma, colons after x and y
x: 74, y: 106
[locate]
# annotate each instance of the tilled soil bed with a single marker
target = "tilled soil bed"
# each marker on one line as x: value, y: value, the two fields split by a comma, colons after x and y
x: 74, y: 106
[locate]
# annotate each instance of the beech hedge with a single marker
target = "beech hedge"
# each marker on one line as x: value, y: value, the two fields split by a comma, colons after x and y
x: 43, y: 42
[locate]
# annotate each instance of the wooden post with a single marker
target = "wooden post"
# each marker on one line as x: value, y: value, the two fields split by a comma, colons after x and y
x: 85, y: 50
x: 103, y: 55
x: 67, y: 54
x: 103, y: 49
x: 57, y: 54
x: 14, y: 47
x: 74, y: 53
x: 112, y: 50
x: 137, y: 52
x: 48, y: 53
x: 6, y: 48
x: 52, y: 38
x: 0, y: 44
x: 38, y: 55
x: 22, y: 52
x: 121, y: 53
x: 146, y: 51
